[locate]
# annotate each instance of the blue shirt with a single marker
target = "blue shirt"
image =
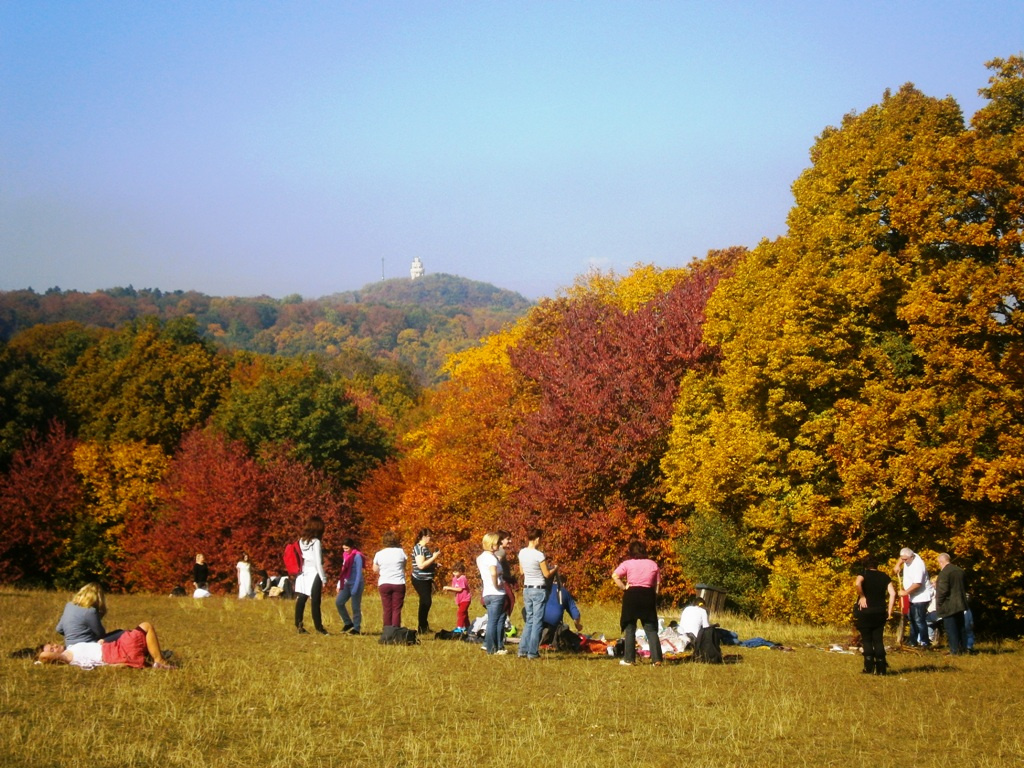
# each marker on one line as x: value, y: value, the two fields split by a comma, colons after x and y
x: 553, y: 610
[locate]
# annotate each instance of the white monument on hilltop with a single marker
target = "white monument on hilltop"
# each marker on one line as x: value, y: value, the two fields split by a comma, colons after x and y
x: 416, y: 270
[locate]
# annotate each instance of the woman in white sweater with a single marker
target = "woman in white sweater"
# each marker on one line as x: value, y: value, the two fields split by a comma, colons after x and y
x: 310, y: 582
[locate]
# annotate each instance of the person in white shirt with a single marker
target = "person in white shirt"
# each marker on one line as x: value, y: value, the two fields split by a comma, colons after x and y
x: 493, y: 594
x: 534, y: 567
x: 310, y: 582
x: 389, y: 565
x: 692, y: 620
x: 919, y: 589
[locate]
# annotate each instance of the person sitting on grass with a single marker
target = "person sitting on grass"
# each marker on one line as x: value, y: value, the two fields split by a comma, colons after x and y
x: 82, y: 620
x: 134, y: 648
x: 692, y: 620
x: 559, y: 601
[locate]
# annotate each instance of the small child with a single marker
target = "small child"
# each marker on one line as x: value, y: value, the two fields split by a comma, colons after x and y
x: 460, y: 586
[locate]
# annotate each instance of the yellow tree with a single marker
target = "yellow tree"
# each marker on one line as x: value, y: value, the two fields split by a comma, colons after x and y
x: 115, y: 479
x: 870, y: 379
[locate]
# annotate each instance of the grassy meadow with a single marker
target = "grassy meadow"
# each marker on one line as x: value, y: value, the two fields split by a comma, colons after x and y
x: 250, y: 692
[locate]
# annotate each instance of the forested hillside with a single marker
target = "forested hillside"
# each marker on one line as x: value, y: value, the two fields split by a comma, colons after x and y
x: 416, y: 323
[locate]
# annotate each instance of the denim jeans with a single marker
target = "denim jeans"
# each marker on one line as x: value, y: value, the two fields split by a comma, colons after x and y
x: 533, y: 606
x: 955, y: 633
x: 969, y: 629
x: 346, y: 594
x: 919, y: 624
x: 495, y: 605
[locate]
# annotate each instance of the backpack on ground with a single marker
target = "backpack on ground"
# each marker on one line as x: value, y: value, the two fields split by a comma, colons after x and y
x: 707, y: 648
x: 398, y: 636
x: 293, y: 559
x: 567, y: 640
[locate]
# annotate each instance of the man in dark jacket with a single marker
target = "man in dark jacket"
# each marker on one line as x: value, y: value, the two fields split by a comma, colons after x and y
x: 951, y: 602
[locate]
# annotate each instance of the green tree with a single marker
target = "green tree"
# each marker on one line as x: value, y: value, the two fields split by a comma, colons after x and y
x: 272, y: 400
x: 150, y: 382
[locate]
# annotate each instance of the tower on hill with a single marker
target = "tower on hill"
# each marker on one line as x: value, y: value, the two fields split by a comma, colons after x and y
x: 416, y: 270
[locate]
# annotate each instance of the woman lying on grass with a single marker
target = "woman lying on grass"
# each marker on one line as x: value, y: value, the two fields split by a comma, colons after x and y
x: 134, y: 648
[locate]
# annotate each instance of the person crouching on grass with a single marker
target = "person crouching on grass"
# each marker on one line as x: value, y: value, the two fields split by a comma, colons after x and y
x: 134, y: 648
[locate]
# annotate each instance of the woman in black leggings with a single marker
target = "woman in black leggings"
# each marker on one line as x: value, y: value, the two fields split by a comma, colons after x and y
x: 424, y: 563
x: 870, y: 614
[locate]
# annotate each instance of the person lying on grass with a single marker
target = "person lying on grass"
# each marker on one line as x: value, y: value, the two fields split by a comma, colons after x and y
x: 134, y: 648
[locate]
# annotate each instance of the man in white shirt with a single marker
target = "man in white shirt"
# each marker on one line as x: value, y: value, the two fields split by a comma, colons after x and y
x: 534, y: 567
x: 917, y: 587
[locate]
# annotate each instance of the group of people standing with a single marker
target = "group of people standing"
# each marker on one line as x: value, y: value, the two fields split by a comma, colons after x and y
x: 876, y: 599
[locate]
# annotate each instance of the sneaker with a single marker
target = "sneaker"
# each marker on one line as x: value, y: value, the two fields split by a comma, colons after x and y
x: 624, y: 663
x: 301, y: 631
x: 163, y: 665
x: 347, y: 629
x: 501, y: 652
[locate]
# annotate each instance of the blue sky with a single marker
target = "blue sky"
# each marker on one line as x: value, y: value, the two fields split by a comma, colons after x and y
x: 244, y: 148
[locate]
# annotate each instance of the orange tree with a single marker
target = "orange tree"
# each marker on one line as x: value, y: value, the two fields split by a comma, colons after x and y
x: 870, y: 384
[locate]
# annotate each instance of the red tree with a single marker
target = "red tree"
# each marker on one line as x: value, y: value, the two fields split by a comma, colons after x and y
x: 604, y: 377
x: 220, y: 501
x: 39, y: 501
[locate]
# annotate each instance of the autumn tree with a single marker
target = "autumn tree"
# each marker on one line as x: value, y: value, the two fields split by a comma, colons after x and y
x: 150, y: 382
x: 32, y: 366
x: 300, y: 404
x: 602, y: 379
x: 870, y: 378
x: 39, y: 500
x: 218, y: 499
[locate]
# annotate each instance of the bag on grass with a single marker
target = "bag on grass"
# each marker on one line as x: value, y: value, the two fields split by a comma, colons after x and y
x: 567, y: 640
x: 398, y: 636
x: 706, y: 648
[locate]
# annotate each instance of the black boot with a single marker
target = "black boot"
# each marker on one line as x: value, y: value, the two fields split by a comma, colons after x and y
x: 869, y: 664
x: 881, y: 666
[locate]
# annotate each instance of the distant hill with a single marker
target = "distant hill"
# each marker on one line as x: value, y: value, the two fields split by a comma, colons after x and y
x: 438, y: 291
x: 417, y: 323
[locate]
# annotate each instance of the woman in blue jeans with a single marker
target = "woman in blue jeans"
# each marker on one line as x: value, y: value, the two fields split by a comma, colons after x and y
x: 350, y: 587
x: 493, y: 594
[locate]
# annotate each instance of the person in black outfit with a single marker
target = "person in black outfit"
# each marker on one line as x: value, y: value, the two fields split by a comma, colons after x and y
x: 200, y: 572
x: 870, y: 614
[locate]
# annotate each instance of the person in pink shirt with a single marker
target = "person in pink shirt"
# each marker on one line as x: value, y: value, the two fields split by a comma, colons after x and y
x: 639, y: 578
x: 463, y: 598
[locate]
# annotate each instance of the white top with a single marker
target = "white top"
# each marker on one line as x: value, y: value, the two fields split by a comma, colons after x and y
x: 692, y: 620
x: 529, y: 562
x: 390, y: 564
x: 484, y: 563
x: 244, y: 579
x: 916, y: 572
x: 200, y: 592
x: 312, y: 566
x: 86, y: 655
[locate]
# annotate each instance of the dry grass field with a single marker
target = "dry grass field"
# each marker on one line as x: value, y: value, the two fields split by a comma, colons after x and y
x: 250, y: 692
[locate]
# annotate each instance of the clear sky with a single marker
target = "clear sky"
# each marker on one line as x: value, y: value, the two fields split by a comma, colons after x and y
x: 244, y: 148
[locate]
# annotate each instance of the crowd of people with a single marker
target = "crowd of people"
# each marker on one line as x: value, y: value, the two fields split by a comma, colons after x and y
x: 545, y: 600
